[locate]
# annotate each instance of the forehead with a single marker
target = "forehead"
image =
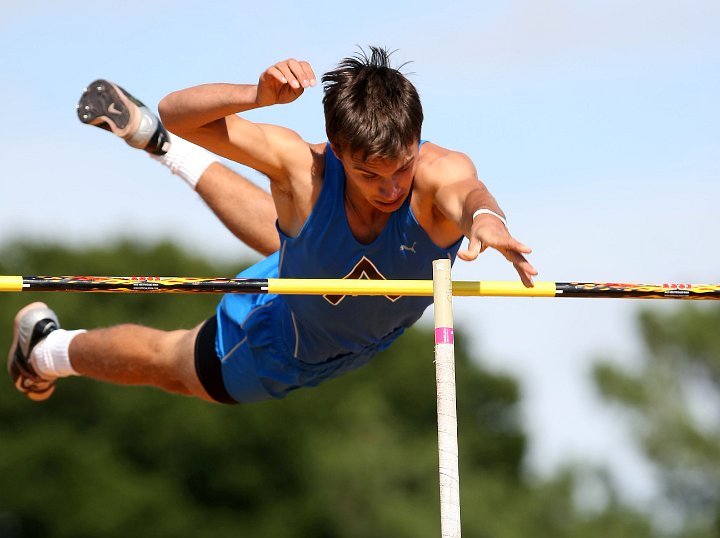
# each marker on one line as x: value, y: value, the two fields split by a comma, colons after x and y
x: 358, y: 160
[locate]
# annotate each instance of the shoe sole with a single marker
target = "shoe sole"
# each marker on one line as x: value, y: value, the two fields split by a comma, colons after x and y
x: 35, y: 396
x: 105, y: 105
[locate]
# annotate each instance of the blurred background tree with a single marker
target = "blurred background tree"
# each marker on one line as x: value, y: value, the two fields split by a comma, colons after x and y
x: 356, y: 457
x: 672, y: 396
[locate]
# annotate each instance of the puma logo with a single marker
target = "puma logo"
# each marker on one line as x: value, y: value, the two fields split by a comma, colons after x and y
x: 113, y: 109
x: 409, y: 249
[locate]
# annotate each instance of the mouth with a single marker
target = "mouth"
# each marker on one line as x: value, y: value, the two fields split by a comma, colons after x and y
x: 392, y: 204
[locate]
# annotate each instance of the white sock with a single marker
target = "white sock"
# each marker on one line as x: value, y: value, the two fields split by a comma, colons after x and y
x: 186, y: 160
x: 50, y: 358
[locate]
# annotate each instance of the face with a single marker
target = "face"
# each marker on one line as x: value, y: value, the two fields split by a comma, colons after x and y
x: 384, y: 184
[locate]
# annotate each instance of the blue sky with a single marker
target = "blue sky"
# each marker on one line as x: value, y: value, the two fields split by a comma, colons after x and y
x: 595, y: 124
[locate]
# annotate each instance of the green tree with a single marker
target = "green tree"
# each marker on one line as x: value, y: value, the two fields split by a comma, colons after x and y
x: 356, y: 457
x: 672, y: 397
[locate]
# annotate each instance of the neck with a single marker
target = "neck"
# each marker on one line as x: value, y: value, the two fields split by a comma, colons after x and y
x: 366, y: 223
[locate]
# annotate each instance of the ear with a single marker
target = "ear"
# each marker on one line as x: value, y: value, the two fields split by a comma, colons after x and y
x: 336, y: 150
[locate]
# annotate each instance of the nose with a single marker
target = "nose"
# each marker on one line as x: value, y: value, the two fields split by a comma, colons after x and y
x: 391, y: 188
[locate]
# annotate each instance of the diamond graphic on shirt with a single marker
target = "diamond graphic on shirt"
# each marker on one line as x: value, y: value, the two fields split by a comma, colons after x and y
x: 363, y: 270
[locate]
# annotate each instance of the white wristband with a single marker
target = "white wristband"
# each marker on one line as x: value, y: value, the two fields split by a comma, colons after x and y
x: 485, y: 211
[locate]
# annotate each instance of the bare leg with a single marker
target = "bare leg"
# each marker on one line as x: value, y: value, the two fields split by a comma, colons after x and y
x: 137, y: 355
x: 41, y: 353
x: 244, y: 208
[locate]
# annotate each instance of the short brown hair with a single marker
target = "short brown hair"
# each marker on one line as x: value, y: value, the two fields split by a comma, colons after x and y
x: 371, y: 107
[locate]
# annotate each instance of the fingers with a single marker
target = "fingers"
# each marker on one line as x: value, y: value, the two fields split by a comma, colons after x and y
x: 468, y: 255
x: 512, y: 250
x: 524, y: 269
x: 514, y: 254
x: 513, y: 245
x: 298, y: 74
x: 472, y: 252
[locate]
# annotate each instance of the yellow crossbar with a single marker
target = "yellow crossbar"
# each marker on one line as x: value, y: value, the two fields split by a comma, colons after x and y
x: 11, y: 283
x: 487, y: 288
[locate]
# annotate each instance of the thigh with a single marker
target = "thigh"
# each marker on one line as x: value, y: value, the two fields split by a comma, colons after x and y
x: 208, y: 366
x: 184, y: 362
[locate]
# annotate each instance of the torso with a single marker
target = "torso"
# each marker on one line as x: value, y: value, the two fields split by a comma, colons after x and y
x: 295, y: 204
x: 297, y: 340
x: 327, y: 247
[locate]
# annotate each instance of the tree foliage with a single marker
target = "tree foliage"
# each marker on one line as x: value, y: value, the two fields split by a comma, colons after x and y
x: 673, y: 399
x: 356, y: 457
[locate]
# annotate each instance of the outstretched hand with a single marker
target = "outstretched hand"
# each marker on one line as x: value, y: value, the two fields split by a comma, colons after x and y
x: 284, y: 82
x: 490, y: 232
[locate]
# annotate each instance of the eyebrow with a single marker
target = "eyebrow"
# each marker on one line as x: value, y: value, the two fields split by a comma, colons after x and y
x: 359, y: 167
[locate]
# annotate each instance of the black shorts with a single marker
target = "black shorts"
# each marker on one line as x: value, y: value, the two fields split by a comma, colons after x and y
x: 207, y: 364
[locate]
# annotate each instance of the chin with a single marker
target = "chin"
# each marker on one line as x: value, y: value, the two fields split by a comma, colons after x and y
x: 389, y: 208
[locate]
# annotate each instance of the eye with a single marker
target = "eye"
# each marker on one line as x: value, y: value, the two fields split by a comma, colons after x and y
x: 406, y: 167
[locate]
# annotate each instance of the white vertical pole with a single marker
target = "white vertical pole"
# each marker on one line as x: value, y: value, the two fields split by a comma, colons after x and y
x: 446, y: 407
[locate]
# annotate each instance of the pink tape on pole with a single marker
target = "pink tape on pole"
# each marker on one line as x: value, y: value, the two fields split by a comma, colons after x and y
x: 444, y: 335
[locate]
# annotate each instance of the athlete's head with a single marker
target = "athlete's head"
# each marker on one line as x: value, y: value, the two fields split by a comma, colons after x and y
x: 371, y: 108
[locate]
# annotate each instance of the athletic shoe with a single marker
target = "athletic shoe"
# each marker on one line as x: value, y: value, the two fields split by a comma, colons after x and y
x: 108, y: 106
x: 32, y: 325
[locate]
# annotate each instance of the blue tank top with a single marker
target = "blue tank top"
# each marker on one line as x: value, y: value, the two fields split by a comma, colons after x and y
x: 316, y: 329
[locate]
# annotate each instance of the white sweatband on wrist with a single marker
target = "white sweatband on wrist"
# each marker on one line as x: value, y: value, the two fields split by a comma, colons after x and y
x: 485, y: 211
x: 186, y: 160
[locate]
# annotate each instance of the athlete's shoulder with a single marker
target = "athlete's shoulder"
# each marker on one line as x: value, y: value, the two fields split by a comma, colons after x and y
x: 439, y: 164
x: 300, y: 159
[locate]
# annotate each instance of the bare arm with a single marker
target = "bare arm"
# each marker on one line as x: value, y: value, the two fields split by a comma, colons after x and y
x: 244, y: 208
x: 458, y: 196
x: 207, y: 116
